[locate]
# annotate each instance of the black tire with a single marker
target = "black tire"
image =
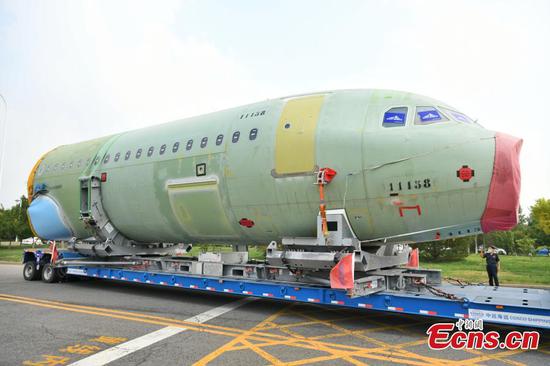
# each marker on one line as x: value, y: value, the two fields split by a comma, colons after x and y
x: 49, y: 273
x: 30, y: 273
x: 62, y: 274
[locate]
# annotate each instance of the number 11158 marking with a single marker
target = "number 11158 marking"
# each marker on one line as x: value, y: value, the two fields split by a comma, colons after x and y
x: 410, y: 185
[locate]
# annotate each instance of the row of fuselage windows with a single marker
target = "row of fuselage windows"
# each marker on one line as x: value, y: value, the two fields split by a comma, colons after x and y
x: 425, y: 115
x: 151, y: 150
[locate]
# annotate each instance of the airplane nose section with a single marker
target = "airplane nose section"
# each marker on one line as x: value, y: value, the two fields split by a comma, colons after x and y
x: 501, y: 211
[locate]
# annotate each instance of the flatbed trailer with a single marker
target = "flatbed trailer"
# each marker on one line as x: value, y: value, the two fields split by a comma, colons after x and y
x: 524, y: 307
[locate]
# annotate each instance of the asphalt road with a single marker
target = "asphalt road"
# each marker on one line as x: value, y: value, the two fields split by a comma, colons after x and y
x: 132, y: 324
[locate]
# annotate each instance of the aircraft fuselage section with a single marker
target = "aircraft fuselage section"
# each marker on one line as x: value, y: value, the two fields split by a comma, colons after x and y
x: 408, y: 169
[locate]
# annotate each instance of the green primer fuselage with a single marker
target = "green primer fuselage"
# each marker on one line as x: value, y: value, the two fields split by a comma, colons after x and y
x: 393, y: 182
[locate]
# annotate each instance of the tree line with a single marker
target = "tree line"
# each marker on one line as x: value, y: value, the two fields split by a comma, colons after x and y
x: 530, y: 235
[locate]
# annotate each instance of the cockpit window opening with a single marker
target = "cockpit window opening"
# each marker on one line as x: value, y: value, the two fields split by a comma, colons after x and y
x: 457, y: 116
x: 426, y: 115
x: 395, y: 117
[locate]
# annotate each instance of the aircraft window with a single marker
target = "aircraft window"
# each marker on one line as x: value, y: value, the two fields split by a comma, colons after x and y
x: 204, y: 141
x: 150, y: 151
x: 189, y: 145
x: 460, y: 117
x: 236, y: 136
x: 427, y: 115
x: 219, y: 140
x: 117, y: 156
x: 106, y: 159
x: 395, y: 117
x: 127, y: 156
x: 71, y: 165
x: 138, y: 153
x: 162, y: 149
x: 79, y: 163
x: 253, y: 134
x: 175, y: 147
x: 63, y: 166
x: 96, y: 160
x: 55, y: 166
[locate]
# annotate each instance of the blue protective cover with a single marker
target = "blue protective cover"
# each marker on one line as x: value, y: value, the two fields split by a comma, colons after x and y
x: 429, y: 115
x: 395, y: 117
x: 45, y: 217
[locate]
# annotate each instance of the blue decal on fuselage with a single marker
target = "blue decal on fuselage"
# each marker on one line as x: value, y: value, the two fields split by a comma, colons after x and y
x: 397, y: 118
x: 429, y: 115
x: 46, y: 219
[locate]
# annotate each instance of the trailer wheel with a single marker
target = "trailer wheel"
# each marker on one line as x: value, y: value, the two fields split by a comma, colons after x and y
x: 62, y: 274
x: 49, y: 273
x: 30, y: 273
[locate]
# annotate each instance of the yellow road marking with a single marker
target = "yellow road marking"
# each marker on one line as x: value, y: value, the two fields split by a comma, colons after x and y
x: 215, y: 354
x: 260, y: 333
x: 231, y: 332
x: 124, y: 317
x: 384, y: 345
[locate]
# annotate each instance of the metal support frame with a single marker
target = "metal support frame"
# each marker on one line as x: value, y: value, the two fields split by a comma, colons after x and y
x: 324, y: 251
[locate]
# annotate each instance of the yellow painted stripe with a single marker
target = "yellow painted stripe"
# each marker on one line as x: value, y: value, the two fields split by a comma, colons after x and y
x: 124, y: 317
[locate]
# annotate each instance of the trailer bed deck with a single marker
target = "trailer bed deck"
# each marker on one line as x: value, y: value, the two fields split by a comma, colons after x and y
x: 525, y: 307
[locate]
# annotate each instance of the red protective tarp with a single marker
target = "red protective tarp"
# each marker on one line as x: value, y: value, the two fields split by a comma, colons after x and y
x: 501, y: 212
x: 341, y: 276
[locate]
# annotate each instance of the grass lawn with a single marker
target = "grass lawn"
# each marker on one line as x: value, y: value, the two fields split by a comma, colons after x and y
x: 15, y: 253
x: 513, y: 269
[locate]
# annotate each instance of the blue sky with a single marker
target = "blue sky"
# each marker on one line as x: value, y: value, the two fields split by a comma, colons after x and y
x: 74, y: 70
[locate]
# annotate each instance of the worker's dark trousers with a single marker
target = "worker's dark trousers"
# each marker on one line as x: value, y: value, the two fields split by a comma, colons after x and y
x: 492, y: 273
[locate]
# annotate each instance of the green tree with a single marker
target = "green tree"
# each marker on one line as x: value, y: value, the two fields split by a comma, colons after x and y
x: 14, y: 222
x: 525, y: 246
x: 540, y: 215
x: 500, y: 239
x: 445, y: 250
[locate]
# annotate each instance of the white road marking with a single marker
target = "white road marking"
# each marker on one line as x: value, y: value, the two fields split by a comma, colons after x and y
x: 124, y: 349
